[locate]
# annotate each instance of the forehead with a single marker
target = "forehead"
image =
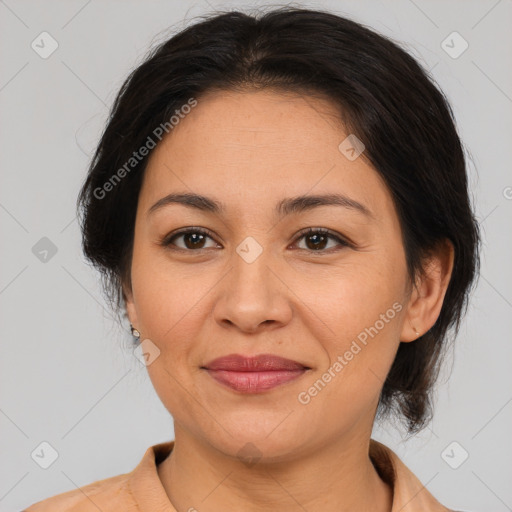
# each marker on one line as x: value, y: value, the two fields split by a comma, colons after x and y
x: 255, y: 147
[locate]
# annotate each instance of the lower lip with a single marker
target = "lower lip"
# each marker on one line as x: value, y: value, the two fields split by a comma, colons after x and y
x: 254, y: 382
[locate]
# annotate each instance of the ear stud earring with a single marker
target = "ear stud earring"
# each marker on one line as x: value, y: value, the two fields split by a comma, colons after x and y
x: 416, y: 331
x: 135, y: 332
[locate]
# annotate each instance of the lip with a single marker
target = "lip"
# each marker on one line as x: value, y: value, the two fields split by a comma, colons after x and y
x: 254, y: 374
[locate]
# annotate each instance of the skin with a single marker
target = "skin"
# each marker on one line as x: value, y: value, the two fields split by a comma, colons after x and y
x: 249, y: 150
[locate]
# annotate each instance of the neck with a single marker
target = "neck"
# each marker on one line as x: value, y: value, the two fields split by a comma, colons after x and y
x: 336, y: 477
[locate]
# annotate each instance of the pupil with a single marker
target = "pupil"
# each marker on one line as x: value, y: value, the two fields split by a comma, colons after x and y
x: 196, y: 237
x: 317, y: 237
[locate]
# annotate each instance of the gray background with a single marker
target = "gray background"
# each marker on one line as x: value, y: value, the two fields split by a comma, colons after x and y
x: 68, y: 376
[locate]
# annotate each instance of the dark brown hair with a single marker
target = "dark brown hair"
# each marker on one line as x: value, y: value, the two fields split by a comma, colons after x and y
x: 384, y: 97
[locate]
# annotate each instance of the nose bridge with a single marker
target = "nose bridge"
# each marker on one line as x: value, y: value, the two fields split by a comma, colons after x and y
x: 252, y: 294
x: 251, y: 275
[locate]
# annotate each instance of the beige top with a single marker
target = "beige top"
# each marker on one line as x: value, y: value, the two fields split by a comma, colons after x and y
x: 141, y: 489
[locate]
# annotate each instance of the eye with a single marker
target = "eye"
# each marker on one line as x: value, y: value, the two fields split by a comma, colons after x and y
x: 192, y: 239
x: 195, y: 239
x: 317, y: 239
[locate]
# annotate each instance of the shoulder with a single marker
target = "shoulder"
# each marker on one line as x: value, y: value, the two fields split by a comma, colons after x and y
x: 409, y: 494
x: 104, y: 494
x: 129, y: 492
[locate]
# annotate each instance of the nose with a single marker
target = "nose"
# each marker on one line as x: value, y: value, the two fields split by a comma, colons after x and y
x: 252, y: 296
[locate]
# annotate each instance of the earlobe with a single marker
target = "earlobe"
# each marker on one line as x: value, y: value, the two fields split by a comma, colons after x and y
x: 429, y: 291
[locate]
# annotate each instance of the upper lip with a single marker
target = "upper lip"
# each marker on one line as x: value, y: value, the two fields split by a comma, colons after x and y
x: 259, y: 363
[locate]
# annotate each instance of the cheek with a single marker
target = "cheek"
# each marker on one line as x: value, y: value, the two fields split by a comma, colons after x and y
x: 169, y: 311
x: 353, y: 297
x: 362, y: 305
x: 172, y: 308
x: 168, y: 295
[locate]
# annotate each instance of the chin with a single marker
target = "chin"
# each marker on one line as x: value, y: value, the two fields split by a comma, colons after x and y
x: 263, y: 438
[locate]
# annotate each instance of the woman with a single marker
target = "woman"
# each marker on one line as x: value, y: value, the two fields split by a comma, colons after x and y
x: 280, y: 205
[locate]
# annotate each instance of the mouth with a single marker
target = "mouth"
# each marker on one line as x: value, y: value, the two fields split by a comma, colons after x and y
x: 254, y: 374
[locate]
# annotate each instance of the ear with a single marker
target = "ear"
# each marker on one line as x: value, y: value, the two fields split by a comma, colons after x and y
x: 130, y: 305
x: 428, y: 292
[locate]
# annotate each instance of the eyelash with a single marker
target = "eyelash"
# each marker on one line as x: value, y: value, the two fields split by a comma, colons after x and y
x: 167, y: 240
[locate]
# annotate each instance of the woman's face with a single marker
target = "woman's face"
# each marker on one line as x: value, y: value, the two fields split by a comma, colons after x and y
x: 256, y: 284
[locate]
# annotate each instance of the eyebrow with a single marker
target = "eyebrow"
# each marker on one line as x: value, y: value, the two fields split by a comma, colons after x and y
x: 287, y: 206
